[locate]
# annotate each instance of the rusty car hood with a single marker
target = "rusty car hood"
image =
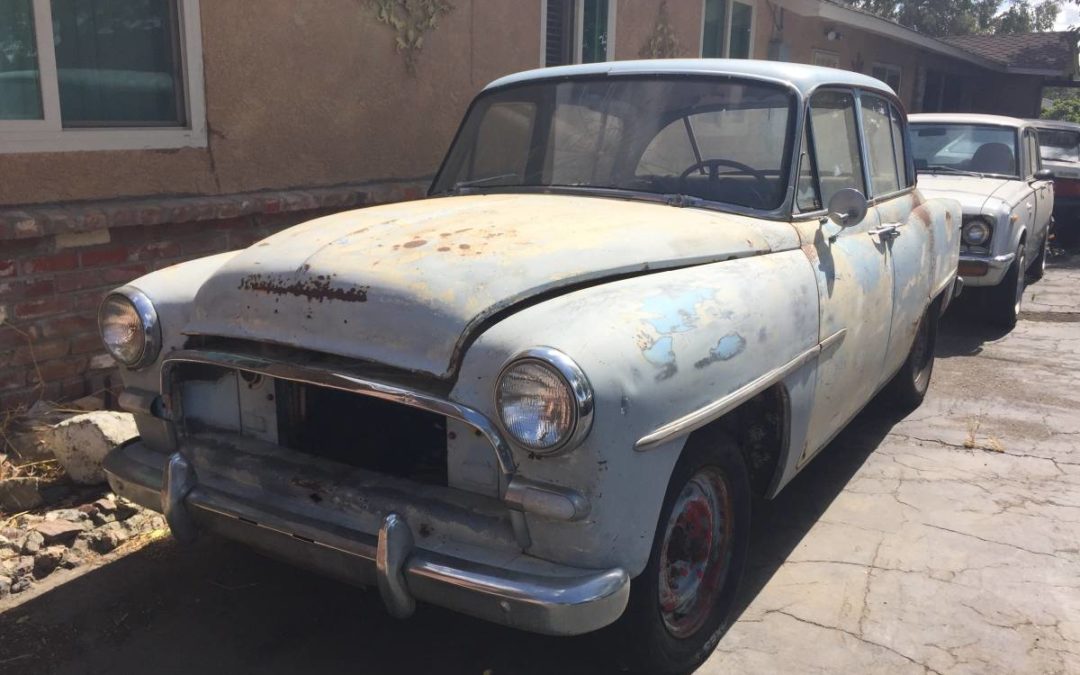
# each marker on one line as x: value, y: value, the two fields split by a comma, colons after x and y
x: 407, y: 285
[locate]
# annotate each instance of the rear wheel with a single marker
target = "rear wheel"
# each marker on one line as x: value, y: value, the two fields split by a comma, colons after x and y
x: 680, y: 605
x: 908, y: 387
x: 1003, y: 300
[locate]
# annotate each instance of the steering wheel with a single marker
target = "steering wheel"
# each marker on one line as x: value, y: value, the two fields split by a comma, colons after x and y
x: 762, y: 186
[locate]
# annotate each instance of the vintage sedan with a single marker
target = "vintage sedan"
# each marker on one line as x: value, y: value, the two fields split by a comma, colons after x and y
x: 640, y: 294
x: 992, y: 165
x: 1059, y: 145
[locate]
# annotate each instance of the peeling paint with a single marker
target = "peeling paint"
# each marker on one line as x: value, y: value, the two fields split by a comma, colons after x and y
x: 729, y: 346
x: 316, y: 288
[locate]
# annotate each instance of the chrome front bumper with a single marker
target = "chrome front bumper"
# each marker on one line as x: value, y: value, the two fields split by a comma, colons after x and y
x: 992, y: 268
x: 522, y: 592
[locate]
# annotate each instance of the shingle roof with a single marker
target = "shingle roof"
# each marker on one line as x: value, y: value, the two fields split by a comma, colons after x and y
x: 1036, y: 51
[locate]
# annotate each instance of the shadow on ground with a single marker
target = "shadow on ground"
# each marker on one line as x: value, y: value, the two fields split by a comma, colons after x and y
x: 217, y: 607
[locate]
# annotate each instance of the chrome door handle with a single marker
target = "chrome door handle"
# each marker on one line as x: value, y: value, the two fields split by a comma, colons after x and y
x: 891, y: 231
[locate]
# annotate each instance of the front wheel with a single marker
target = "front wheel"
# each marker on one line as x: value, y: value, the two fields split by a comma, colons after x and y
x: 680, y: 605
x: 1038, y: 266
x: 1003, y: 300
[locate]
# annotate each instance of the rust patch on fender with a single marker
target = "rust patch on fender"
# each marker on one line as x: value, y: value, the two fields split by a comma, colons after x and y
x: 315, y: 288
x: 415, y: 243
x: 922, y: 214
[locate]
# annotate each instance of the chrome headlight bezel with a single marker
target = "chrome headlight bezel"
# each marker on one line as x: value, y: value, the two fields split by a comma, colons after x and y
x: 577, y: 388
x: 975, y: 222
x: 149, y: 326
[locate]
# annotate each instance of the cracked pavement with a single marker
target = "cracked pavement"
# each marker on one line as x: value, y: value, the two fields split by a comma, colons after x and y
x: 948, y: 542
x: 945, y: 542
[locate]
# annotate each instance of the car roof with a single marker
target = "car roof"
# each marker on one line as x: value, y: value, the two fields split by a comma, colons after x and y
x: 968, y: 118
x: 1055, y: 124
x: 802, y: 77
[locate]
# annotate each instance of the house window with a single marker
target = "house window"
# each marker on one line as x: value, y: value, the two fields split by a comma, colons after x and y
x: 100, y: 75
x: 887, y: 73
x: 578, y: 31
x: 820, y: 57
x: 727, y: 29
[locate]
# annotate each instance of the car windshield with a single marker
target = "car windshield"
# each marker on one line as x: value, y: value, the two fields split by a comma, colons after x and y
x: 964, y: 148
x: 719, y: 140
x: 1059, y: 145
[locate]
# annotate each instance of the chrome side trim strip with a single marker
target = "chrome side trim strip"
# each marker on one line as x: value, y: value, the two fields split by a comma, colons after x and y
x: 322, y: 377
x: 720, y: 407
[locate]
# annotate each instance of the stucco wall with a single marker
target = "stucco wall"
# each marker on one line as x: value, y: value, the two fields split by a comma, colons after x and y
x: 302, y: 94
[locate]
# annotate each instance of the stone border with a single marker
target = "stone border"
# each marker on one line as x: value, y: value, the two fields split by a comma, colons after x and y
x: 46, y: 220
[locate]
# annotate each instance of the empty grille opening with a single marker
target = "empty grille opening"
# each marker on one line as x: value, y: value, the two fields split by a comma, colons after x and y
x: 364, y: 432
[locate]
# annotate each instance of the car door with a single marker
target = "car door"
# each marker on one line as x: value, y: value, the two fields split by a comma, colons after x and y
x: 852, y: 267
x: 1044, y: 195
x: 904, y: 230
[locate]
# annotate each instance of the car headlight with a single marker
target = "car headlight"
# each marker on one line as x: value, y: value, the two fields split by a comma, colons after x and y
x: 976, y: 232
x: 129, y: 327
x: 544, y: 401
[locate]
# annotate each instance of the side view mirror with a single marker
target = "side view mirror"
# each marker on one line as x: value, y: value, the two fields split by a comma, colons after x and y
x: 847, y: 207
x: 1044, y: 174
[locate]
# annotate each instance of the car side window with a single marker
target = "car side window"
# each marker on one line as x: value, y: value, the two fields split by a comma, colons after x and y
x: 832, y: 119
x: 898, y: 135
x: 1034, y: 161
x: 807, y: 198
x: 880, y: 150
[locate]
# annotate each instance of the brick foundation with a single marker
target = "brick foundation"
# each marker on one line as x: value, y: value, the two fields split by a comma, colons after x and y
x: 57, y: 263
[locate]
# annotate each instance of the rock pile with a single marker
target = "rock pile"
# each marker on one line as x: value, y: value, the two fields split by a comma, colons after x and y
x: 33, y: 546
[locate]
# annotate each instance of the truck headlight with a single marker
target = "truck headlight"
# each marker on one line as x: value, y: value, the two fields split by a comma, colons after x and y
x: 544, y: 401
x: 129, y: 327
x: 976, y: 232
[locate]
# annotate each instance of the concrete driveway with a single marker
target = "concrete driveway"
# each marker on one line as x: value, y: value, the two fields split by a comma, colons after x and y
x: 946, y: 542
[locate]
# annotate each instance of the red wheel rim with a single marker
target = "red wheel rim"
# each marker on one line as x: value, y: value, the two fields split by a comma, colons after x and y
x: 696, y: 552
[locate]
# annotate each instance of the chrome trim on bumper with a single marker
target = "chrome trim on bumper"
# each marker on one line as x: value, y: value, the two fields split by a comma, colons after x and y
x: 539, y: 498
x: 720, y: 407
x: 996, y: 262
x: 558, y: 600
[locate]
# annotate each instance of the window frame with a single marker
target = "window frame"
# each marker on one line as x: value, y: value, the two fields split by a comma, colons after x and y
x: 871, y: 199
x: 578, y: 26
x: 727, y: 29
x: 49, y: 134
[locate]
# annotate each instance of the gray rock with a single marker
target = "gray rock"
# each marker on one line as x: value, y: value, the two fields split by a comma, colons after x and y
x: 99, y: 518
x: 20, y: 494
x: 72, y: 558
x: 126, y: 509
x: 21, y: 584
x: 69, y: 515
x: 33, y: 543
x: 5, y: 586
x: 55, y: 531
x: 81, y: 442
x: 105, y: 505
x: 8, y: 548
x: 48, y: 560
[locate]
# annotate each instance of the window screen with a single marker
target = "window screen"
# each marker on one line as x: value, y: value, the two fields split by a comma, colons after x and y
x: 20, y: 82
x: 877, y: 127
x: 117, y: 62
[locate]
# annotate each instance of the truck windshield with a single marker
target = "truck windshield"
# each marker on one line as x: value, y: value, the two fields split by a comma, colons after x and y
x: 718, y: 140
x: 1059, y: 145
x: 964, y: 149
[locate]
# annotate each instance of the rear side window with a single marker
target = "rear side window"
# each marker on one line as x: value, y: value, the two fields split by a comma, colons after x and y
x: 836, y: 146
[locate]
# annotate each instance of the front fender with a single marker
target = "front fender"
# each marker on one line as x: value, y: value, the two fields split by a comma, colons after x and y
x: 654, y: 348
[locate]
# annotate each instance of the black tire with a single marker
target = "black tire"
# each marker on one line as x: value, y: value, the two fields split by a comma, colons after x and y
x: 1037, y: 270
x: 908, y: 387
x: 649, y: 639
x: 1003, y: 301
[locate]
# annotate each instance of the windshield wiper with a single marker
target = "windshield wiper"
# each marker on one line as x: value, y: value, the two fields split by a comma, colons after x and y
x: 934, y: 168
